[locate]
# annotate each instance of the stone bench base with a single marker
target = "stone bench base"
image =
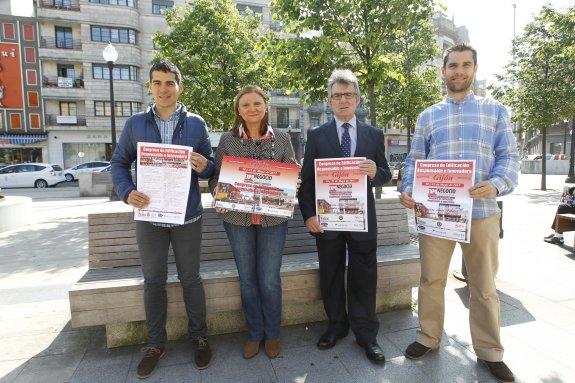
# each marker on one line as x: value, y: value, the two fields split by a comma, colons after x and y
x: 125, y: 334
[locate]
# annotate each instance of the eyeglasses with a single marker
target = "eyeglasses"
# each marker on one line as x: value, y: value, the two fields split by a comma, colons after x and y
x: 347, y: 95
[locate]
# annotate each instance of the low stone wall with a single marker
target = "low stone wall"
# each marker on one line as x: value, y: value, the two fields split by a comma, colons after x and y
x: 560, y: 167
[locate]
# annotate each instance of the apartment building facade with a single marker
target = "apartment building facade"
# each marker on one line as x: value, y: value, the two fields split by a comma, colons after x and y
x: 75, y: 77
x: 22, y: 133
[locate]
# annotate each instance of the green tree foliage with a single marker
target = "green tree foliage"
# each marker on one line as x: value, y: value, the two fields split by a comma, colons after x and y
x: 418, y: 85
x: 539, y: 84
x: 214, y: 47
x: 361, y: 35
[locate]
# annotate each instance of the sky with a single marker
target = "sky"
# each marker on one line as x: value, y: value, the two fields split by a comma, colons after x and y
x: 490, y: 26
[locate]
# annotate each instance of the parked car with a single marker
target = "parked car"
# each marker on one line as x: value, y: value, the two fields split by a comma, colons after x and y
x: 36, y: 175
x: 108, y: 168
x: 71, y: 174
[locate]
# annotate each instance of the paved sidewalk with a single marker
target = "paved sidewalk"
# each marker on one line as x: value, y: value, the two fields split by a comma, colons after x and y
x: 39, y: 262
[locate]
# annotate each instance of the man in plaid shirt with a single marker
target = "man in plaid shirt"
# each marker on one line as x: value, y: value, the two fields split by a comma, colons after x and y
x: 465, y: 127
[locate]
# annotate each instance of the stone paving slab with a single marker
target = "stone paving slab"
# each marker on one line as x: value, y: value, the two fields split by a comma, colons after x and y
x: 38, y: 264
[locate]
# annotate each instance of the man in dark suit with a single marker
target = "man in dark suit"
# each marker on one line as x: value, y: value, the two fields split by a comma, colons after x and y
x: 345, y: 136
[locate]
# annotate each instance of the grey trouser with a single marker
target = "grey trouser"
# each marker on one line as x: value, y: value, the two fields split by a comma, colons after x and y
x: 154, y: 243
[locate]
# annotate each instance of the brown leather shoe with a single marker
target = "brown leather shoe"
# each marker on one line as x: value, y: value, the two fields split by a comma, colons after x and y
x: 202, y: 352
x: 416, y: 350
x: 272, y: 348
x: 149, y: 361
x: 499, y: 370
x: 251, y: 349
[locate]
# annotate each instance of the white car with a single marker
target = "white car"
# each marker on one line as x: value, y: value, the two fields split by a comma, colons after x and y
x: 36, y: 175
x: 71, y: 174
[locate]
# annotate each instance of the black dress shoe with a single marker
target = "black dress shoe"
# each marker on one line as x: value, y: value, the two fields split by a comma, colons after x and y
x: 553, y: 240
x: 329, y: 339
x: 374, y: 352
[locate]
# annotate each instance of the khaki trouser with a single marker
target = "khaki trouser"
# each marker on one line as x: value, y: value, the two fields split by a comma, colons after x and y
x: 481, y: 259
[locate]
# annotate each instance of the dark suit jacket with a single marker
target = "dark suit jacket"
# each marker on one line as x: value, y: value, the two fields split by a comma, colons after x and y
x: 323, y: 142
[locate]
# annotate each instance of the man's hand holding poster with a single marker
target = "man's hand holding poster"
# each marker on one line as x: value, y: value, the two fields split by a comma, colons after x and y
x: 443, y: 206
x: 341, y: 194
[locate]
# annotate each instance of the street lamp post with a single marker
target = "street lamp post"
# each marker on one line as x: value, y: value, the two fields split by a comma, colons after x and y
x: 111, y: 55
x: 571, y: 177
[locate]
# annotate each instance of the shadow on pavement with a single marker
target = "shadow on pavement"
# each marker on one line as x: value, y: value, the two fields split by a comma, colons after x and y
x: 56, y: 245
x: 463, y: 293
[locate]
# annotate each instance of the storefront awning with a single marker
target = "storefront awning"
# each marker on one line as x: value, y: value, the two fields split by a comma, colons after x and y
x: 22, y: 139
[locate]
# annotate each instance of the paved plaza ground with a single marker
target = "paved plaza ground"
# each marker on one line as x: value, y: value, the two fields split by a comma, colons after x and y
x: 39, y: 263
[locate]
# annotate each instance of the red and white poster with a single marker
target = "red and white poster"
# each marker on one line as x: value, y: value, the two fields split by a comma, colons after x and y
x: 164, y: 175
x: 10, y: 77
x: 443, y: 206
x: 341, y: 194
x: 257, y: 186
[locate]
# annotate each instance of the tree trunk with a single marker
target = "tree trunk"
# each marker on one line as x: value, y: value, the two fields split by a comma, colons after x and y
x: 409, y: 128
x: 373, y: 119
x: 543, y: 158
x: 372, y: 105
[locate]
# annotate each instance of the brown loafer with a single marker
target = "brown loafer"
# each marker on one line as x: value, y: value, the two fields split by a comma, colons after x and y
x: 251, y: 349
x: 149, y: 361
x: 499, y: 370
x: 416, y: 350
x: 202, y: 353
x: 272, y: 348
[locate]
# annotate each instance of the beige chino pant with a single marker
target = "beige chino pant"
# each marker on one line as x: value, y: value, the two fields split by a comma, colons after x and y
x: 481, y: 259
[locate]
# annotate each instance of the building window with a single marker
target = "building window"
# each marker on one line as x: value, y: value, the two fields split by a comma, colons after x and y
x: 313, y: 121
x: 33, y: 99
x: 242, y: 8
x: 67, y: 4
x: 64, y: 38
x: 556, y: 148
x: 121, y: 72
x: 9, y: 31
x: 29, y: 55
x: 34, y: 121
x: 159, y: 5
x: 31, y: 77
x: 114, y: 35
x: 282, y: 118
x: 15, y: 121
x: 127, y: 3
x: 68, y: 108
x: 123, y: 108
x: 66, y: 71
x: 28, y: 32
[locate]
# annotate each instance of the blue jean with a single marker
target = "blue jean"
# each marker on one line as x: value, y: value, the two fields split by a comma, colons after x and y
x: 258, y: 253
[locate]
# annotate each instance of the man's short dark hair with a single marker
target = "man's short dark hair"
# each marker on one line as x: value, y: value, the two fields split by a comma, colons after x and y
x: 166, y: 66
x: 459, y: 48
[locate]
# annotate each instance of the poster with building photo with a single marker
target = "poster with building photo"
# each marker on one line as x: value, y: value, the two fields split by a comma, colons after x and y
x: 443, y: 206
x: 164, y: 175
x: 257, y: 186
x: 341, y: 194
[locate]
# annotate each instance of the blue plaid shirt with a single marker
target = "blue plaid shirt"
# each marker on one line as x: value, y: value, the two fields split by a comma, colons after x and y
x: 476, y: 128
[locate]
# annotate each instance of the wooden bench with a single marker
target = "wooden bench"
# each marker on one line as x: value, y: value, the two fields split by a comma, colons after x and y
x: 111, y: 291
x: 565, y: 222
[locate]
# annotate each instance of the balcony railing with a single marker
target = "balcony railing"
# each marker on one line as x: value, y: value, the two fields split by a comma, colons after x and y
x: 67, y: 5
x: 60, y: 43
x: 54, y: 119
x: 62, y: 82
